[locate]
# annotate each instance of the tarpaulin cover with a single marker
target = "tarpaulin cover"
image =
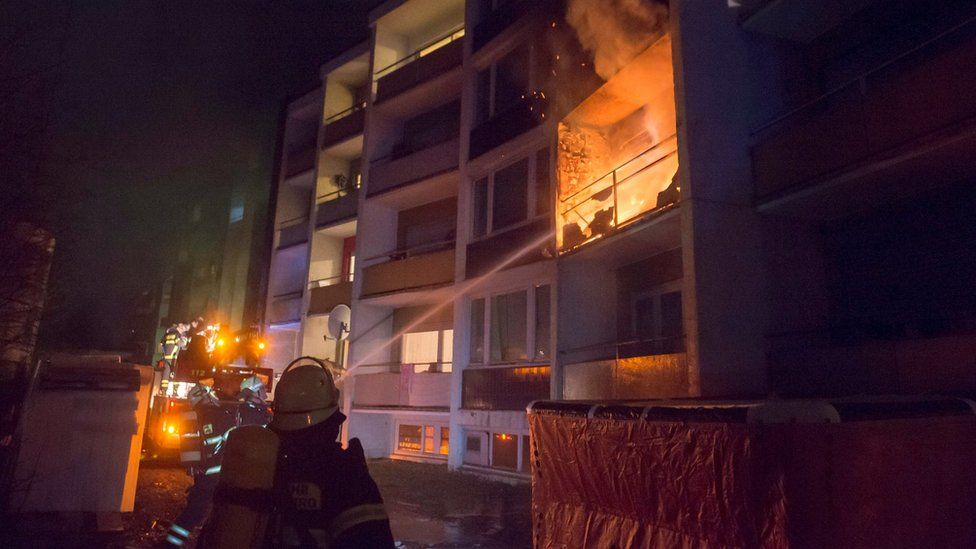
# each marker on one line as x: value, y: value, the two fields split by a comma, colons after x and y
x: 624, y: 483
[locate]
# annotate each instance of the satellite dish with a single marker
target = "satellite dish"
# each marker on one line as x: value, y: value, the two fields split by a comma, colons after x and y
x: 338, y: 327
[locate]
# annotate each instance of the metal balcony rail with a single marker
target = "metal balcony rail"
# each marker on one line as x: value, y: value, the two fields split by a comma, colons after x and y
x: 292, y: 222
x: 615, y: 181
x: 426, y: 49
x: 860, y: 81
x: 287, y: 295
x: 668, y: 343
x: 330, y: 281
x: 390, y: 367
x: 344, y: 113
x: 339, y: 193
x: 405, y: 253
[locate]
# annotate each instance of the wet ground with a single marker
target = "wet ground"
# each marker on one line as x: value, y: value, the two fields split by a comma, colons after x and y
x: 429, y: 507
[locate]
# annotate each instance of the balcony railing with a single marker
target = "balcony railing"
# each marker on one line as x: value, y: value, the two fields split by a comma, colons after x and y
x: 409, y: 269
x: 336, y: 206
x: 643, y: 368
x: 434, y: 59
x: 286, y: 307
x: 424, y: 50
x: 390, y: 173
x: 485, y: 254
x: 293, y: 231
x: 919, y: 93
x: 636, y: 187
x: 326, y: 293
x: 507, y: 388
x: 343, y: 125
x: 403, y: 389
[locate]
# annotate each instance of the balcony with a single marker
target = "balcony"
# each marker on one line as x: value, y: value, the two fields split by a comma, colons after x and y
x: 292, y: 232
x: 300, y: 159
x: 285, y: 307
x: 403, y: 390
x: 905, y: 120
x: 434, y: 59
x: 326, y: 293
x: 650, y: 368
x: 394, y: 172
x: 639, y: 186
x: 485, y: 254
x: 337, y: 206
x: 508, y: 125
x: 422, y: 267
x: 343, y: 125
x: 508, y: 388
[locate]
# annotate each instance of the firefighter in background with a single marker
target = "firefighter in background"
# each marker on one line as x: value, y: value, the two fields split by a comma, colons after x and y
x: 205, y: 429
x: 253, y: 408
x: 170, y: 348
x: 321, y: 495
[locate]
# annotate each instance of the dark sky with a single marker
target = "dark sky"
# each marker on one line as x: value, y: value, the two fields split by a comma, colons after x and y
x: 127, y: 108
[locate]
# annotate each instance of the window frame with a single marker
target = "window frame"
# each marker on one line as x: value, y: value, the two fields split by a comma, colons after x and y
x: 655, y: 293
x: 532, y: 197
x: 424, y: 424
x: 530, y: 319
x: 487, y: 451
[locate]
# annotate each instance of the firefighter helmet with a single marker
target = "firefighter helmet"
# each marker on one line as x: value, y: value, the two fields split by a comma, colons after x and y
x: 200, y: 393
x: 253, y: 390
x: 306, y: 395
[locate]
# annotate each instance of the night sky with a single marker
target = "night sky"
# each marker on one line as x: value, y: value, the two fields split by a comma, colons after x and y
x: 123, y: 110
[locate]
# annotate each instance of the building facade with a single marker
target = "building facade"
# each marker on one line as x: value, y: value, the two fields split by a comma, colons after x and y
x: 533, y: 200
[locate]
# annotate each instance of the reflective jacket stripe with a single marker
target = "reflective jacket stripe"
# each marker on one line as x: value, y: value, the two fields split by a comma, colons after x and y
x: 192, y: 456
x: 357, y: 515
x: 191, y: 434
x: 212, y: 470
x: 213, y: 440
x: 179, y: 530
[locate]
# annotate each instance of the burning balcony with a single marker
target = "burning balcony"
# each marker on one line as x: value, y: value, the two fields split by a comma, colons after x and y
x: 618, y: 151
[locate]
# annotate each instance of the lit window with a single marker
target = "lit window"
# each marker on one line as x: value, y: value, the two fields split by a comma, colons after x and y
x: 504, y: 451
x: 408, y: 438
x: 445, y: 440
x: 429, y: 439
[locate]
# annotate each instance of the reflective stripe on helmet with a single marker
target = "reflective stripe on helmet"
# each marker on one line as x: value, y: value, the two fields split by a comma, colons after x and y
x: 357, y: 515
x: 191, y: 456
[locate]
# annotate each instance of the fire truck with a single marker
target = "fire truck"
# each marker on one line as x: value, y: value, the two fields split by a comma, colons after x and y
x: 221, y: 361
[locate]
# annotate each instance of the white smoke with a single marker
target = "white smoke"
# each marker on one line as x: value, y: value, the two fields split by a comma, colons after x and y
x: 615, y: 31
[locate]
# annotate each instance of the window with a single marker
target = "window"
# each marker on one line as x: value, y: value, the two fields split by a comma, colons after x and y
x: 504, y: 84
x: 445, y: 441
x: 423, y: 439
x: 408, y: 438
x: 428, y: 351
x: 510, y: 195
x: 504, y: 451
x: 542, y: 344
x: 658, y: 315
x: 505, y: 197
x: 526, y: 455
x: 477, y: 350
x: 508, y: 329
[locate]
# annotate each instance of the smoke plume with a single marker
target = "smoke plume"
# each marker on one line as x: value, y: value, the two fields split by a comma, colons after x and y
x: 615, y: 31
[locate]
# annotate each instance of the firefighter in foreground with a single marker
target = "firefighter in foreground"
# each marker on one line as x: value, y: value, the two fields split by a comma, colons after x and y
x: 206, y: 427
x: 292, y: 485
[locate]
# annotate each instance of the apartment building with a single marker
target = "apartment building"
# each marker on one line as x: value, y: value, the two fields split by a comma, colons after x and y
x: 745, y: 200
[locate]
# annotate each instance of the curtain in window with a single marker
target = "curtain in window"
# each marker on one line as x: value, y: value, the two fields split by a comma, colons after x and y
x: 508, y: 327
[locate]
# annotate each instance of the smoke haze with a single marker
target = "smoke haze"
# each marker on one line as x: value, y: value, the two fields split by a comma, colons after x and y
x: 615, y: 31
